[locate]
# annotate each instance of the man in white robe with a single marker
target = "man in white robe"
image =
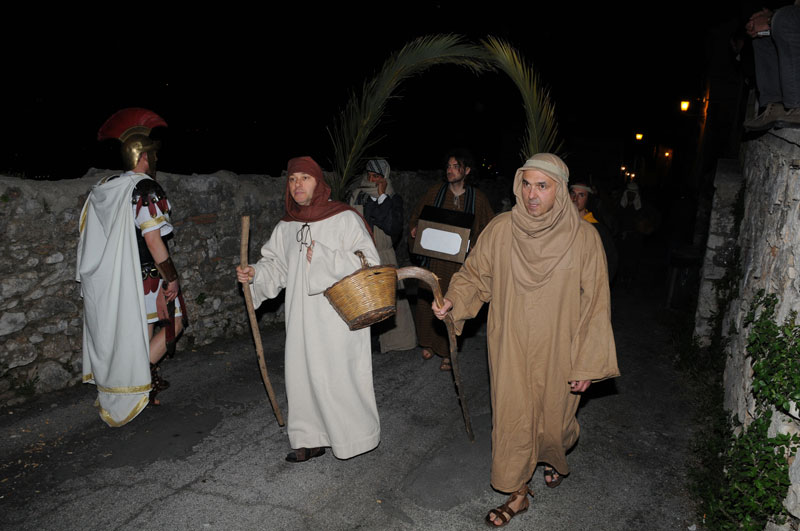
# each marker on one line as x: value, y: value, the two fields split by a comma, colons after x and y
x: 328, y: 366
x: 121, y: 229
x: 115, y: 340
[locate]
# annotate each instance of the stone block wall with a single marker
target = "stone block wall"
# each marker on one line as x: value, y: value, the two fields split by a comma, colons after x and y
x: 769, y: 238
x: 720, y: 246
x: 41, y: 311
x: 41, y: 319
x: 769, y: 242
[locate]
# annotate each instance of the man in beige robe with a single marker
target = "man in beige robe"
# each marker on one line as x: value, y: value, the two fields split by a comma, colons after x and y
x: 549, y: 326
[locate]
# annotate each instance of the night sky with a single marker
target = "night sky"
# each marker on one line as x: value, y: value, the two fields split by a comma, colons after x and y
x: 246, y: 89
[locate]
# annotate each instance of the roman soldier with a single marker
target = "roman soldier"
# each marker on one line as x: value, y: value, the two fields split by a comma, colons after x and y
x: 128, y: 280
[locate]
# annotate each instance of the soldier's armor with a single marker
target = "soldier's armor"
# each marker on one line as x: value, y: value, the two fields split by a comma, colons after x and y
x: 148, y: 194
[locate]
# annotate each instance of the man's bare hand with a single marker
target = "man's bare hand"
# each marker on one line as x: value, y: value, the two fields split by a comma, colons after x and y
x: 171, y: 290
x: 310, y: 251
x: 441, y: 312
x: 161, y: 304
x: 759, y: 21
x: 579, y: 386
x: 414, y: 232
x: 245, y: 274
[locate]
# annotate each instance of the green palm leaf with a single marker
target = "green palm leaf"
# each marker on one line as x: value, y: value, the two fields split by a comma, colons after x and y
x: 542, y: 133
x: 352, y: 131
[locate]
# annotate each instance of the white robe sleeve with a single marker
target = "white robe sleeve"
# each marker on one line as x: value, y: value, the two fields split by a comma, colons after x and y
x: 332, y: 261
x: 270, y: 276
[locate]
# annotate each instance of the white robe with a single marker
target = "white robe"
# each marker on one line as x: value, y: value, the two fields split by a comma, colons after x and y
x: 328, y: 366
x: 116, y: 347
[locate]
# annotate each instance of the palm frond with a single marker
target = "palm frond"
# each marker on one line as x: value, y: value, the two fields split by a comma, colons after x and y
x: 352, y: 131
x: 542, y: 131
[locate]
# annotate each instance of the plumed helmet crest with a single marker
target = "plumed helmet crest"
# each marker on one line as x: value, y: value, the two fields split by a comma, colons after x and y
x: 132, y: 127
x: 133, y: 120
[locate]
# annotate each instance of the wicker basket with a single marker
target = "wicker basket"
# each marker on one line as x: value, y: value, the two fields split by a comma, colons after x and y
x: 365, y: 297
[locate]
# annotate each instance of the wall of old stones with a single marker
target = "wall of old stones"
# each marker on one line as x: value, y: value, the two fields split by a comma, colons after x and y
x: 720, y: 247
x: 41, y: 319
x: 769, y: 238
x: 769, y: 242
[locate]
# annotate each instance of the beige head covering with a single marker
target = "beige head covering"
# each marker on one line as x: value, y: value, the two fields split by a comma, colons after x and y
x: 539, y: 244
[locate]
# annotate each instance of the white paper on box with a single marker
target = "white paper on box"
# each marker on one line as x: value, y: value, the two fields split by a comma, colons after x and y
x: 440, y: 241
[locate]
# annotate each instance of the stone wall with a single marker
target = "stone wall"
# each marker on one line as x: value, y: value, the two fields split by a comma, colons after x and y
x: 720, y: 246
x: 41, y: 320
x: 769, y: 238
x: 769, y: 241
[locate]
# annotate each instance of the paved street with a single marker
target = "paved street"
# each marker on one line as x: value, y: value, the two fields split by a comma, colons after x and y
x: 212, y: 456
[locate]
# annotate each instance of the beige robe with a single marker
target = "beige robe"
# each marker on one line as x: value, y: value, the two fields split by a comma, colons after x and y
x: 538, y: 341
x: 328, y: 366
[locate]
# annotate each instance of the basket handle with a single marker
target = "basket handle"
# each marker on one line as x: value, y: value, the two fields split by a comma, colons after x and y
x: 364, y: 263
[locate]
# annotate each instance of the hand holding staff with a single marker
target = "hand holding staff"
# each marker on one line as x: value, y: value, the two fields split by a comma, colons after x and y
x: 433, y: 282
x: 248, y: 297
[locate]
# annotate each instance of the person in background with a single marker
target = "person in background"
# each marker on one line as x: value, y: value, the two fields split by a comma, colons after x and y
x: 453, y: 194
x: 776, y: 48
x: 581, y: 195
x: 376, y: 199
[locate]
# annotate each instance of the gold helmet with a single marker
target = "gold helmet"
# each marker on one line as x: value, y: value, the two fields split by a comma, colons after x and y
x: 132, y: 127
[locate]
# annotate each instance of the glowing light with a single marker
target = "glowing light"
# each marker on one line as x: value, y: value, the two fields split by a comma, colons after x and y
x: 623, y: 168
x: 684, y: 105
x: 667, y: 153
x: 639, y: 136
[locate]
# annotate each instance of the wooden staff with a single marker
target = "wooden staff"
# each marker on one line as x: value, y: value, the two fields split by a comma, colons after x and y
x: 431, y: 280
x: 248, y: 298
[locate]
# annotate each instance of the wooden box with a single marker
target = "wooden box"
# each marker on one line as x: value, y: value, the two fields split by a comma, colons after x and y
x: 443, y: 234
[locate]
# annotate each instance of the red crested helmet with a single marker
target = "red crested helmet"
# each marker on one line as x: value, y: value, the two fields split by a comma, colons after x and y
x: 132, y: 127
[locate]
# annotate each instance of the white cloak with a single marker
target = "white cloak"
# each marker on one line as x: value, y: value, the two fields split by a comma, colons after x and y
x: 116, y: 347
x: 328, y: 366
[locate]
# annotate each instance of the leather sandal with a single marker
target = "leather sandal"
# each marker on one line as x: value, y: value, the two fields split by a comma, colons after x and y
x: 304, y: 454
x: 446, y: 365
x: 504, y: 513
x: 556, y: 478
x: 158, y: 384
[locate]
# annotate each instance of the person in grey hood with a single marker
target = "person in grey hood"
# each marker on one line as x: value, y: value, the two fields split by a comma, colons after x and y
x: 374, y: 196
